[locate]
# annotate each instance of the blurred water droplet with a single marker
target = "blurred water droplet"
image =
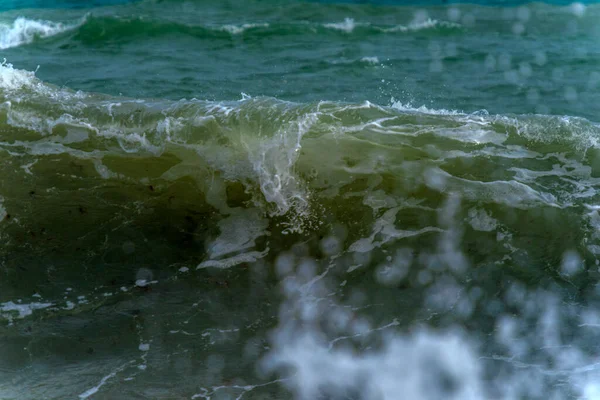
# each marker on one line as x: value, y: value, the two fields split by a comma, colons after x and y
x: 435, y: 49
x: 571, y: 263
x: 523, y: 13
x: 518, y: 28
x: 128, y: 247
x: 284, y: 264
x: 511, y: 76
x: 540, y: 58
x: 533, y: 96
x: 420, y: 16
x: 468, y: 20
x: 436, y: 66
x: 453, y: 14
x: 490, y: 62
x: 570, y: 94
x: 450, y: 50
x: 504, y: 61
x: 578, y: 9
x: 558, y: 74
x: 594, y: 79
x: 525, y: 70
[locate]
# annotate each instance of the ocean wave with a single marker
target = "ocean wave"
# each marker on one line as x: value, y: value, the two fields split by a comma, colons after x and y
x: 24, y: 31
x: 424, y: 25
x: 349, y: 25
x: 96, y: 28
x: 237, y: 29
x: 280, y: 151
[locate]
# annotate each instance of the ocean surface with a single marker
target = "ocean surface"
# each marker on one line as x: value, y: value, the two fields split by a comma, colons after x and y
x: 313, y: 200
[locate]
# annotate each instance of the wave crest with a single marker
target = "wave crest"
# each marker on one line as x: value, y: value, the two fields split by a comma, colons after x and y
x: 24, y: 31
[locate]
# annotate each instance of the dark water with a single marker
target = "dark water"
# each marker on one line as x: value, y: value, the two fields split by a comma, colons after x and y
x: 269, y: 200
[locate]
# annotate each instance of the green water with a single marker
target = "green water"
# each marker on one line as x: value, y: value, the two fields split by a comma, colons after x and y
x: 279, y: 200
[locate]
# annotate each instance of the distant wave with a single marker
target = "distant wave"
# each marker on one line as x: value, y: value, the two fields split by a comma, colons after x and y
x: 237, y: 29
x: 424, y: 25
x: 349, y: 25
x: 91, y: 29
x: 24, y: 31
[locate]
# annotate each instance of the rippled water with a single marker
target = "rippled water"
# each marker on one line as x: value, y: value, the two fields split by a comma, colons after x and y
x: 299, y: 200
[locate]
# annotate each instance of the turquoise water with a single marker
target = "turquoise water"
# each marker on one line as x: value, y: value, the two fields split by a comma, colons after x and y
x: 303, y: 200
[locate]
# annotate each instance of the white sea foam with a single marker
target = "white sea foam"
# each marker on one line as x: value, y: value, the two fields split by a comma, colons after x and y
x: 8, y: 309
x: 273, y: 161
x: 346, y: 26
x: 480, y: 220
x: 398, y: 105
x: 422, y: 25
x: 237, y: 29
x: 238, y: 232
x: 13, y: 79
x: 370, y: 60
x: 24, y: 31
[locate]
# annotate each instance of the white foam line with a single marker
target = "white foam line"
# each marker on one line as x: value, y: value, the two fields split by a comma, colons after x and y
x: 391, y: 324
x: 235, y: 260
x: 206, y: 394
x: 237, y: 29
x: 103, y: 381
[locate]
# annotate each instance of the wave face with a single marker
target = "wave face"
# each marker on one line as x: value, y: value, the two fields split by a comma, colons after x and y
x: 211, y: 200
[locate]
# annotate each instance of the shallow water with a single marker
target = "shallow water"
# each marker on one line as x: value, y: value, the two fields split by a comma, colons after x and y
x: 299, y: 200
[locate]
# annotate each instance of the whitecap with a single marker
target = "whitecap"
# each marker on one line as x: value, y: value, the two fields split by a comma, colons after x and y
x: 237, y: 29
x: 346, y: 26
x: 24, y: 31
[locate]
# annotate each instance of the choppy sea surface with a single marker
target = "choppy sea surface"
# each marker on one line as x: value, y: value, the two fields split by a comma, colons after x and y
x: 299, y: 200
